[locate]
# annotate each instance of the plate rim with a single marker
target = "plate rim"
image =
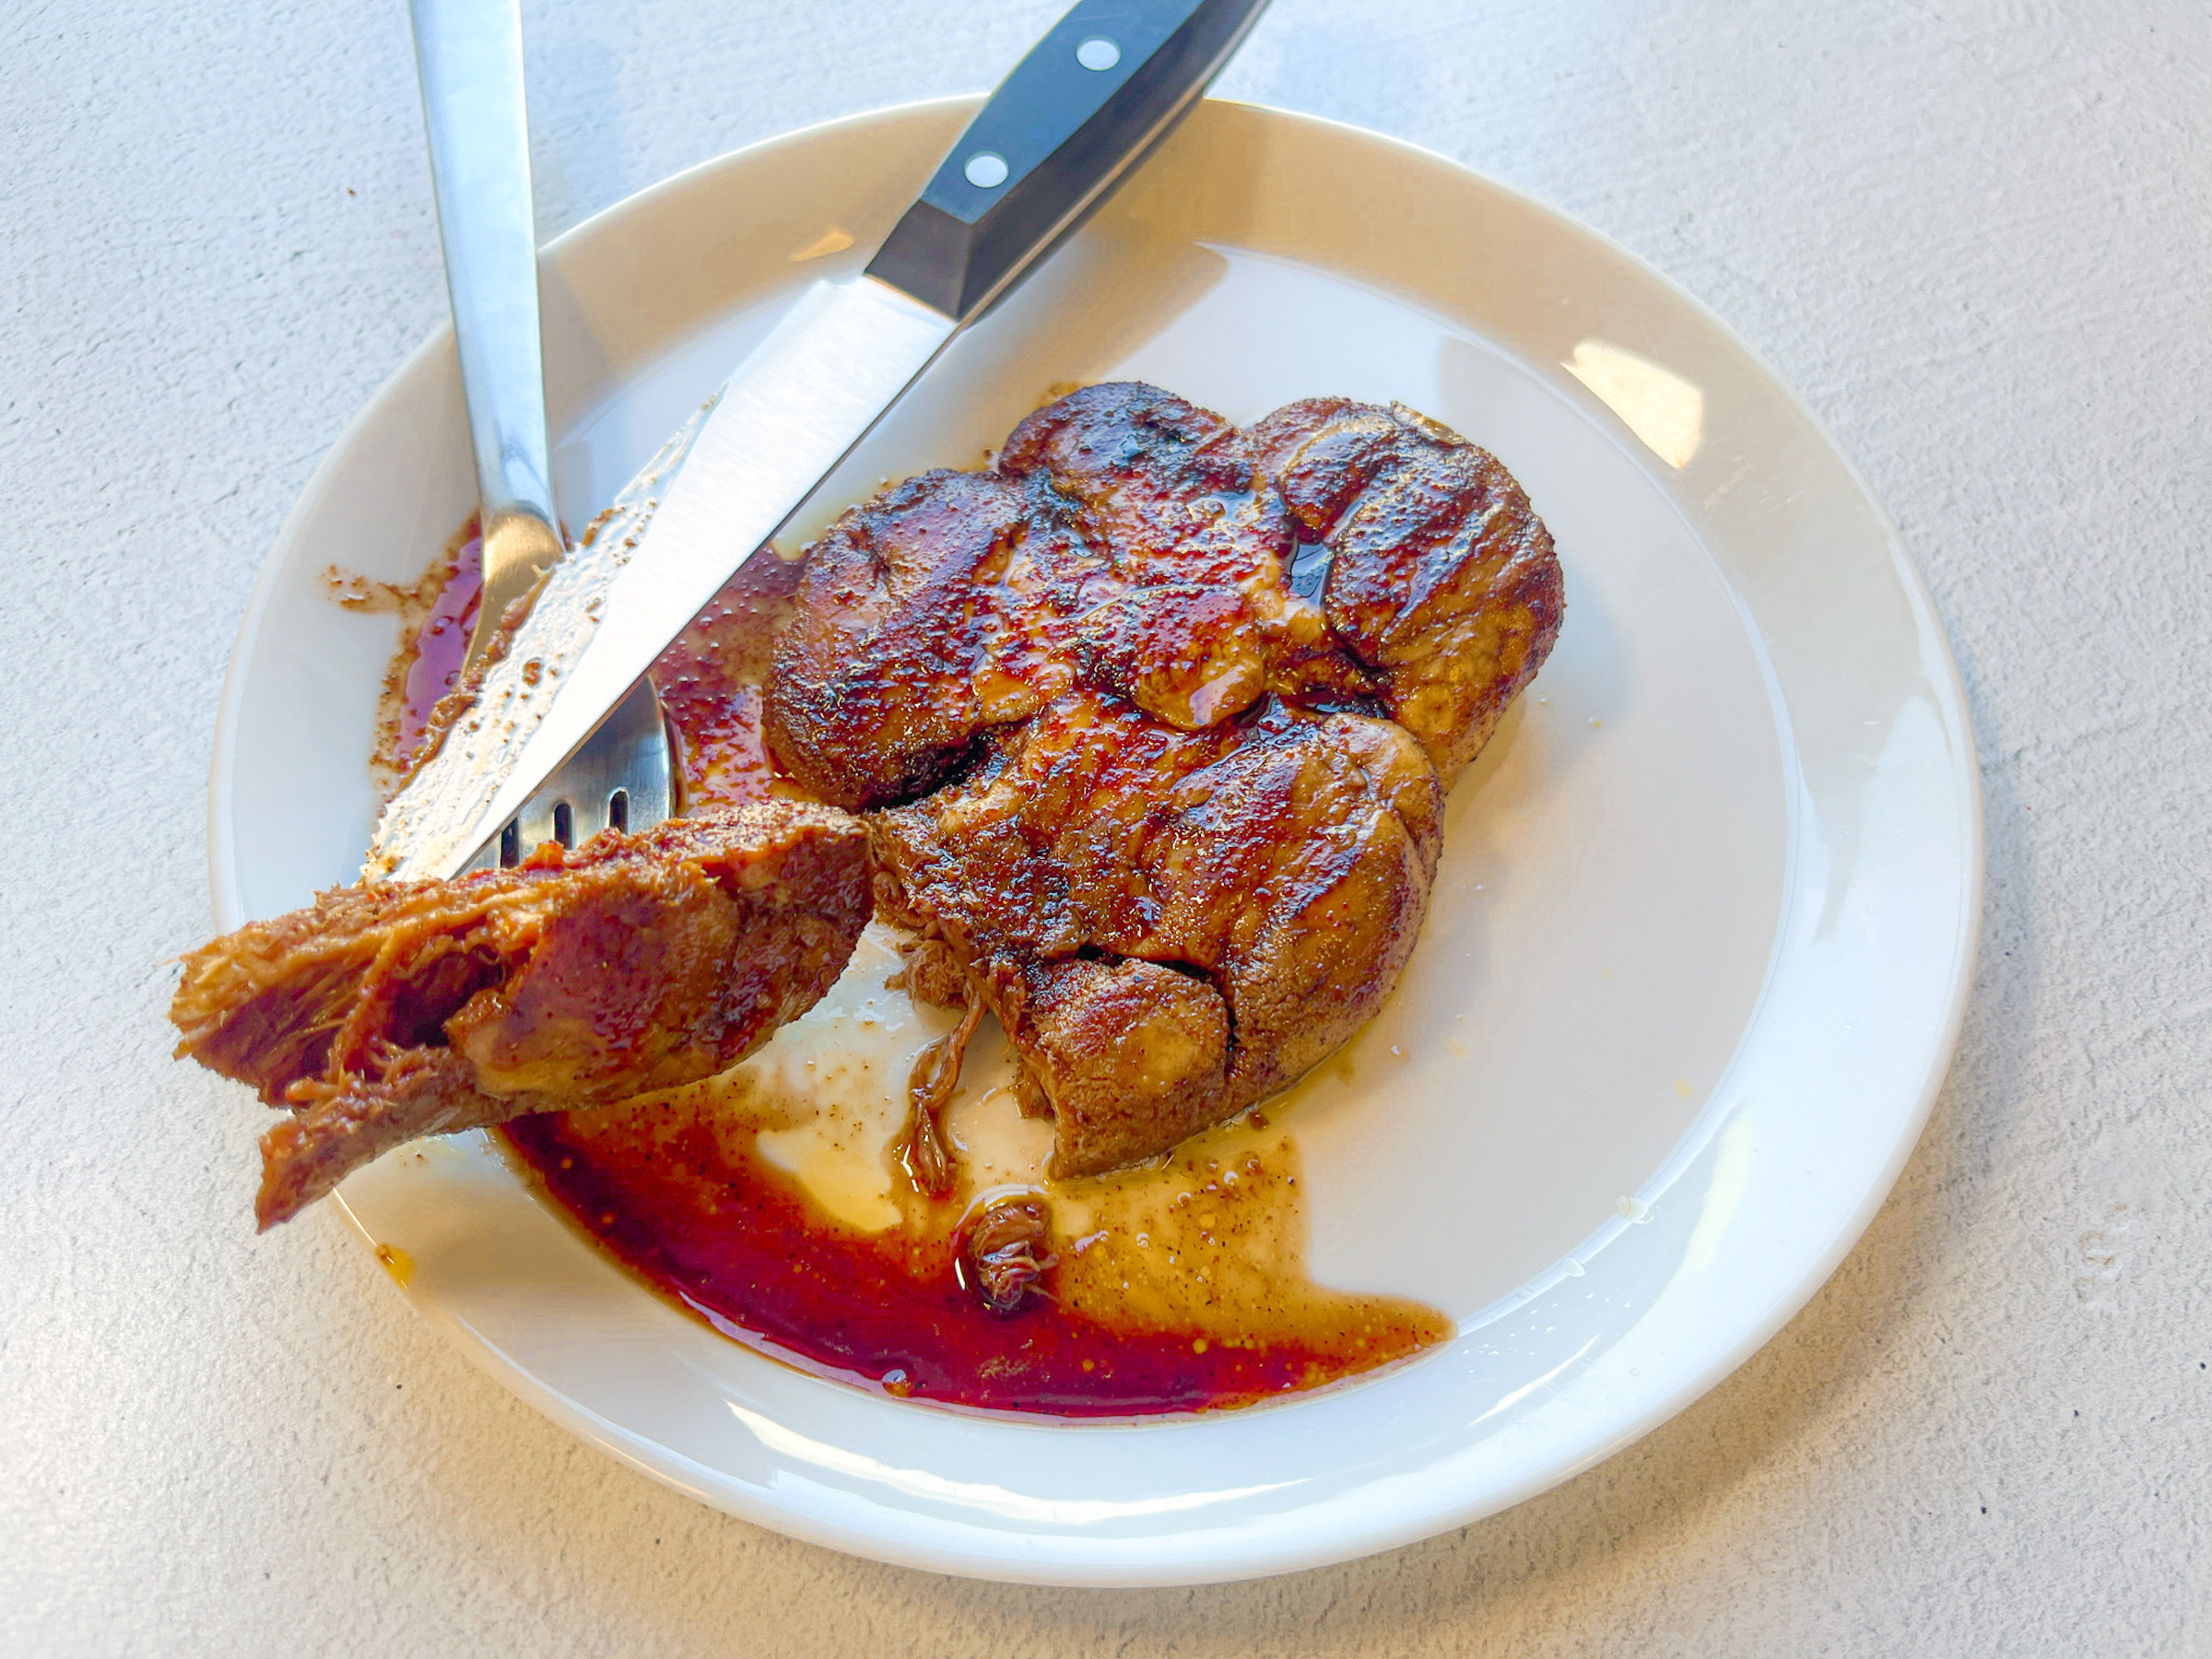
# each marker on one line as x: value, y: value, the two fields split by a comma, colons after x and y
x: 913, y: 1546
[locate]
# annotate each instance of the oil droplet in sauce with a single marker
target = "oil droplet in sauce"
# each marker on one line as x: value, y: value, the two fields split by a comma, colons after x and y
x: 397, y: 1263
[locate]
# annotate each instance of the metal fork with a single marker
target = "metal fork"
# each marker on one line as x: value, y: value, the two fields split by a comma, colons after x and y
x: 469, y: 55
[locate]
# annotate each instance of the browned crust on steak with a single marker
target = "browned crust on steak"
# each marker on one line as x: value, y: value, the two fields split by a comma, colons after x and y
x: 1442, y: 582
x: 872, y: 696
x: 634, y: 964
x: 1124, y: 1052
x: 1152, y: 722
x: 1247, y: 896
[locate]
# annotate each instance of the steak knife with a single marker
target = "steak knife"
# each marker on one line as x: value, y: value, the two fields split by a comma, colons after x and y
x: 1067, y: 126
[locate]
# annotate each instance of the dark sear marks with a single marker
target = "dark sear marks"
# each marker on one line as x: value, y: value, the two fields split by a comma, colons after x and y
x: 1173, y: 816
x: 1441, y: 585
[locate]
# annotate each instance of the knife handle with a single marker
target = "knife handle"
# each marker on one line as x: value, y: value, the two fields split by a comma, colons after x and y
x: 1112, y: 78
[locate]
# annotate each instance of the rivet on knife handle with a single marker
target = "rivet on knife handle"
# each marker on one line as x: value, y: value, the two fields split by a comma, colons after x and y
x: 1108, y: 82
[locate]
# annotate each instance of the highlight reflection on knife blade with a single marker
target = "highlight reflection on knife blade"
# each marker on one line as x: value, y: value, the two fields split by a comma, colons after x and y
x: 1056, y: 138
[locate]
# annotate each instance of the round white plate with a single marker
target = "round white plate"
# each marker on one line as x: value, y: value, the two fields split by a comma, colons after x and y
x: 1694, y: 966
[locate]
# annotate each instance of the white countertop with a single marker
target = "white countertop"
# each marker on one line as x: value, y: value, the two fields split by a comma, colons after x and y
x: 1977, y: 240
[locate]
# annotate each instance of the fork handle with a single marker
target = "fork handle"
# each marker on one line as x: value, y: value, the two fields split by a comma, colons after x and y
x: 469, y: 55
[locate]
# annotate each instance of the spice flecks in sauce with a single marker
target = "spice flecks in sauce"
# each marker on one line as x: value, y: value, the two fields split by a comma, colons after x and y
x: 1178, y: 1288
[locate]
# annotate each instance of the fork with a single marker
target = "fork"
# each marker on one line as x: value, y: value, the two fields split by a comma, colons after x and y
x: 469, y: 57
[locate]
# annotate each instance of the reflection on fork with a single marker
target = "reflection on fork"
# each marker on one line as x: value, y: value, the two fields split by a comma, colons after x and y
x: 622, y: 778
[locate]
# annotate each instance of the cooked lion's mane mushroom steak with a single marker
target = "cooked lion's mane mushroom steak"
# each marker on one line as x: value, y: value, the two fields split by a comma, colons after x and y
x: 636, y: 963
x: 1149, y: 723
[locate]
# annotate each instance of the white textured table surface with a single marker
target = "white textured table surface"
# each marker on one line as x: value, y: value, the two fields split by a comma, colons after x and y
x: 1976, y: 237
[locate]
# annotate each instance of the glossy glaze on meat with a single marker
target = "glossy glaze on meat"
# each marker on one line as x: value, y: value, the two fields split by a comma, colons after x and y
x: 1150, y: 722
x: 392, y: 1010
x: 1440, y: 581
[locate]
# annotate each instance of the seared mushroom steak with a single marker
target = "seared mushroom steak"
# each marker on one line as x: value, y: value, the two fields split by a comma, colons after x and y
x: 392, y: 1010
x: 1151, y: 721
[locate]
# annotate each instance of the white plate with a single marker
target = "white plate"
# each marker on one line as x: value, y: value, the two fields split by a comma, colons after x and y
x: 1695, y: 963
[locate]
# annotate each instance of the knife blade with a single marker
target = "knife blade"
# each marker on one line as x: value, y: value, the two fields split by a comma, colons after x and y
x: 1109, y: 81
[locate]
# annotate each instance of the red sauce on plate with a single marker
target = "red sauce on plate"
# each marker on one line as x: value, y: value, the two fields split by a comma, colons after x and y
x: 440, y: 650
x: 734, y: 1242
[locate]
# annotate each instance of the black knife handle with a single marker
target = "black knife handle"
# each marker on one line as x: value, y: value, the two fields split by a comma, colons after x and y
x: 1111, y: 79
